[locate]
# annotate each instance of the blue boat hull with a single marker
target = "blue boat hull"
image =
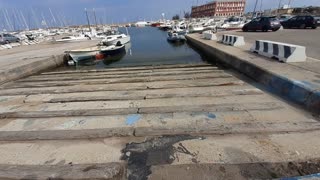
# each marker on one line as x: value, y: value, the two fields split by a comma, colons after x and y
x: 113, y: 52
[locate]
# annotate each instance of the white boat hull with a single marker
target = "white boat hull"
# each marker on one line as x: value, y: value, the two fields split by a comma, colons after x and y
x: 90, y: 53
x: 72, y: 40
x: 84, y: 54
x: 79, y: 56
x: 123, y: 40
x: 196, y: 29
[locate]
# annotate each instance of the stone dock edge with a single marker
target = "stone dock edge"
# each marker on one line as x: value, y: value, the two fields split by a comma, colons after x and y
x: 275, y: 83
x: 21, y: 71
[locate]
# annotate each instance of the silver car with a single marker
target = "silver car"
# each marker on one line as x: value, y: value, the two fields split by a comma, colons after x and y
x: 8, y: 38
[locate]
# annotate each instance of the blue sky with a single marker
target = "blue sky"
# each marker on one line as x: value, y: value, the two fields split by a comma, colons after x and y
x: 117, y: 11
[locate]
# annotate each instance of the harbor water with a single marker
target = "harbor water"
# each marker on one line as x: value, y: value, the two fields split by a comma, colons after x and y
x: 148, y: 46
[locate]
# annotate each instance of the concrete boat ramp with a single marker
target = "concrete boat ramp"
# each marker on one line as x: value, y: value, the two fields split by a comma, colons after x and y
x: 188, y: 121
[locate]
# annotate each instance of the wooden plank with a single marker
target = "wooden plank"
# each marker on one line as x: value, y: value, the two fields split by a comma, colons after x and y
x: 152, y: 103
x: 112, y: 171
x: 105, y: 72
x: 67, y: 134
x: 158, y: 67
x: 131, y: 79
x: 146, y: 131
x: 122, y: 86
x: 112, y: 75
x: 198, y: 83
x: 219, y: 107
x: 68, y: 113
x: 203, y: 93
x: 224, y: 129
x: 154, y: 95
x: 194, y: 123
x: 205, y: 107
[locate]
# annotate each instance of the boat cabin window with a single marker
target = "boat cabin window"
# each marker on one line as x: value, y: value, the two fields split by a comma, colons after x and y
x: 119, y: 37
x: 109, y: 37
x: 66, y: 38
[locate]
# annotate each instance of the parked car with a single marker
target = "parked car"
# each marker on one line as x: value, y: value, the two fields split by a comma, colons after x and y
x: 285, y: 17
x: 8, y: 38
x: 318, y: 20
x: 262, y: 24
x: 301, y: 22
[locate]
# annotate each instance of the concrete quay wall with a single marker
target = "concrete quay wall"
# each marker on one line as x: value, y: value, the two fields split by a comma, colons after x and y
x: 304, y: 94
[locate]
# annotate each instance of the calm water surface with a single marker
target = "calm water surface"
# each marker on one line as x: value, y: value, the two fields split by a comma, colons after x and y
x: 149, y: 46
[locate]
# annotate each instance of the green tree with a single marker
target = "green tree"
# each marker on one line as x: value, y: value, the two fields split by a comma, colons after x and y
x: 187, y: 15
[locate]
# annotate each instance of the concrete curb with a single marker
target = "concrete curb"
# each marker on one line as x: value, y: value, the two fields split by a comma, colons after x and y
x: 283, y: 52
x: 30, y: 69
x: 232, y: 40
x: 296, y: 91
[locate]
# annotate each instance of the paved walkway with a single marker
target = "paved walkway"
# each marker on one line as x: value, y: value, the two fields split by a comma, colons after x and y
x: 302, y: 37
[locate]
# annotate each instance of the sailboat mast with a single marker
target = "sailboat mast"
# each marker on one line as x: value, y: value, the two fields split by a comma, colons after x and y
x: 24, y: 20
x: 18, y: 19
x: 255, y: 8
x: 95, y: 17
x: 36, y: 20
x: 6, y: 18
x: 54, y: 19
x: 44, y: 22
x: 88, y: 19
x: 14, y: 22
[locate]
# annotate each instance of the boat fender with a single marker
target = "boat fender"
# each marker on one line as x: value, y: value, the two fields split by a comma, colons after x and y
x: 99, y: 56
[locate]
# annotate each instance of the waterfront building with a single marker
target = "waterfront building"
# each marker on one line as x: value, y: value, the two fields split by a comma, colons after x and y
x: 219, y: 8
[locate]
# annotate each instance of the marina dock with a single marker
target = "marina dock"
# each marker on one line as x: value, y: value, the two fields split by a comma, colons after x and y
x: 214, y: 112
x: 160, y: 90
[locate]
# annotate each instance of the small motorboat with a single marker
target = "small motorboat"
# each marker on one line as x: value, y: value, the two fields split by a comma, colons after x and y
x: 197, y: 27
x: 177, y: 35
x: 113, y: 50
x: 84, y: 54
x: 112, y: 59
x: 114, y: 39
x: 93, y: 52
x: 156, y: 24
x: 166, y: 26
x: 233, y: 23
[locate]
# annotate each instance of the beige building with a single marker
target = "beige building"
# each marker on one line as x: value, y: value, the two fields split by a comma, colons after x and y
x: 218, y: 8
